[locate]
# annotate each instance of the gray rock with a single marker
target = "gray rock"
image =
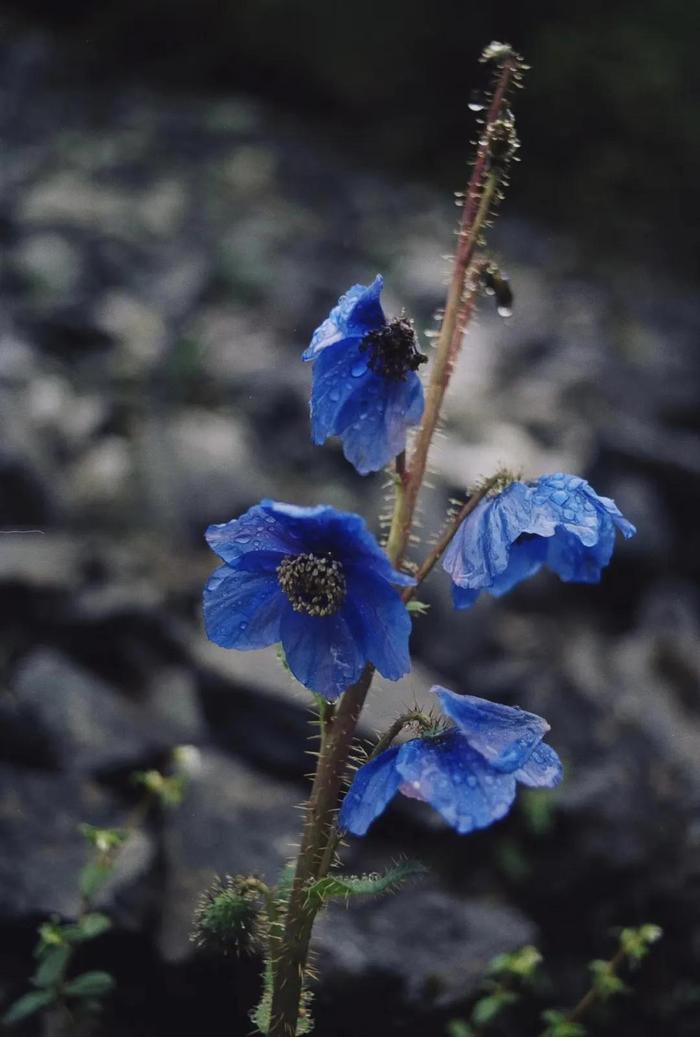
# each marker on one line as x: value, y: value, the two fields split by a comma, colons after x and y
x: 426, y: 937
x: 43, y: 850
x: 74, y: 720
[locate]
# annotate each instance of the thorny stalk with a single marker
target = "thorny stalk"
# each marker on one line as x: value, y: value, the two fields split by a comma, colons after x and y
x: 319, y: 838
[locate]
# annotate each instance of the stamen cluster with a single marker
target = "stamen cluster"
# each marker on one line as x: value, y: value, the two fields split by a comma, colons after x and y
x: 392, y: 350
x: 314, y: 584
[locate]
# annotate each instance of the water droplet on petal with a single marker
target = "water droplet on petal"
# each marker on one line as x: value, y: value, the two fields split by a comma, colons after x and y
x: 334, y: 395
x: 358, y: 368
x: 243, y: 538
x: 242, y: 625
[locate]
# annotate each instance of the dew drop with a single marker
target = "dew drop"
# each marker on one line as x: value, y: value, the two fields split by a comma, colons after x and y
x: 504, y: 311
x: 243, y: 538
x: 477, y: 101
x: 242, y: 625
x: 334, y: 395
x: 358, y: 368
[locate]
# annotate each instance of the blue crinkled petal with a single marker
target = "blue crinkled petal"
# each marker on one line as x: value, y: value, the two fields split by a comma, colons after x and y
x: 243, y: 610
x: 259, y: 529
x: 373, y: 787
x: 542, y: 770
x: 503, y: 735
x: 375, y: 418
x: 526, y: 558
x: 561, y: 500
x: 338, y: 373
x: 356, y: 313
x: 575, y: 563
x: 456, y: 780
x: 379, y: 620
x: 321, y: 652
x: 480, y: 549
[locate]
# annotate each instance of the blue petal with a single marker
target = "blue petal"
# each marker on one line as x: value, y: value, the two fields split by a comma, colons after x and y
x: 526, y: 558
x: 342, y: 533
x: 321, y: 652
x: 573, y: 562
x: 480, y: 549
x: 243, y: 610
x: 542, y: 770
x: 457, y: 781
x: 462, y: 598
x: 333, y: 384
x: 356, y: 313
x: 373, y: 787
x: 258, y: 530
x: 567, y: 501
x: 375, y: 418
x: 380, y: 622
x: 504, y: 736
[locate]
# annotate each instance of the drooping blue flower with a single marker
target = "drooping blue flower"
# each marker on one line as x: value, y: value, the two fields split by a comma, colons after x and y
x: 315, y: 580
x: 468, y: 773
x: 365, y: 387
x: 558, y: 521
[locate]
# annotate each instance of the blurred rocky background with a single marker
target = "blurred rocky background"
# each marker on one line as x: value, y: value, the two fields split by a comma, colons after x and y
x: 186, y: 189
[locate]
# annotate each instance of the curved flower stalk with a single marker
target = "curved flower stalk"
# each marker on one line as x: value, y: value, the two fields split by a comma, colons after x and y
x: 557, y: 521
x: 468, y: 773
x: 365, y: 386
x: 316, y: 580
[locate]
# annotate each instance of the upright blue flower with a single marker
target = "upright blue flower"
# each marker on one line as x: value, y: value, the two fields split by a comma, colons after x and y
x: 365, y: 386
x: 558, y: 521
x: 316, y: 580
x: 468, y: 773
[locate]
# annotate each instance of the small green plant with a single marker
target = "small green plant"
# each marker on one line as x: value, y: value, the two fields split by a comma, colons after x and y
x: 80, y: 996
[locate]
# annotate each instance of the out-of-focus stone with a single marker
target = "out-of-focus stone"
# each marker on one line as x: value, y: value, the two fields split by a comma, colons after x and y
x: 427, y: 938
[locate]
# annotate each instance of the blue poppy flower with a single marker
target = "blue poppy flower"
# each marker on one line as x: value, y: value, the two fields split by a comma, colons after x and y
x: 315, y: 580
x: 365, y: 387
x: 468, y: 773
x: 559, y: 522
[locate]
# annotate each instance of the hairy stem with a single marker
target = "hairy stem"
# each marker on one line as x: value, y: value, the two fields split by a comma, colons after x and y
x: 320, y: 816
x: 319, y: 836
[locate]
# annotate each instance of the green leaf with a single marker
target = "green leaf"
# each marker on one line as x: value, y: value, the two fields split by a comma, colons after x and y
x: 488, y: 1008
x: 90, y: 984
x: 103, y: 839
x: 363, y: 885
x: 92, y: 925
x: 28, y: 1004
x: 520, y: 964
x: 457, y: 1028
x: 637, y: 942
x: 52, y: 966
x: 93, y: 876
x: 560, y: 1026
x: 419, y: 607
x: 605, y: 982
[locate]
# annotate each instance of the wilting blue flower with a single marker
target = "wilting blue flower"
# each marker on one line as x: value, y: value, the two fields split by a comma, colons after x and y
x: 316, y: 580
x: 468, y: 773
x: 559, y: 522
x: 365, y: 386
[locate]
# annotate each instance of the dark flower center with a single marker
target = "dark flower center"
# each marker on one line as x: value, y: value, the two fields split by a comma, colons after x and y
x: 315, y: 585
x: 393, y: 350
